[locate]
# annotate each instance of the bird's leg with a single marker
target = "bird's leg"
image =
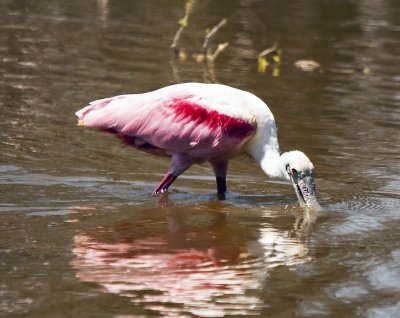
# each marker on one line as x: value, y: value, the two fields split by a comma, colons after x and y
x: 165, y: 183
x: 220, y: 170
x: 179, y: 163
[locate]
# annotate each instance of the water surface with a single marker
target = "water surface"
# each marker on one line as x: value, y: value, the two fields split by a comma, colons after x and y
x: 82, y: 236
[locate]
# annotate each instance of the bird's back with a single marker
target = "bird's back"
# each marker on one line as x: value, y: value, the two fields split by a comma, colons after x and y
x: 201, y: 120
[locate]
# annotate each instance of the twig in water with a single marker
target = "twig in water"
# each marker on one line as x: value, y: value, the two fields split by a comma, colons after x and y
x: 272, y: 49
x: 276, y: 59
x: 183, y: 24
x: 220, y: 48
x: 177, y: 36
x: 210, y: 62
x: 210, y: 34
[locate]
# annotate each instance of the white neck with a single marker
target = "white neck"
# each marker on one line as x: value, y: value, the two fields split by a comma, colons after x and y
x: 272, y: 164
x: 264, y: 148
x: 270, y: 161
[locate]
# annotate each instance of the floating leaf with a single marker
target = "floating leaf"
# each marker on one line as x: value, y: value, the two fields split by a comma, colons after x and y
x: 183, y: 22
x: 262, y: 64
x: 307, y: 65
x: 189, y: 6
x: 276, y: 71
x: 367, y: 70
x: 188, y: 9
x: 182, y: 56
x: 199, y: 58
x: 277, y: 58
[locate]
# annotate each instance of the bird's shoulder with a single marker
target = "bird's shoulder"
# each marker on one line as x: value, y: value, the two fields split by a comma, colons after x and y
x: 221, y: 98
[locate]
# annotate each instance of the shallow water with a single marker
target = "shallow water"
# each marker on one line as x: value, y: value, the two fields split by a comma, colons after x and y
x: 82, y: 236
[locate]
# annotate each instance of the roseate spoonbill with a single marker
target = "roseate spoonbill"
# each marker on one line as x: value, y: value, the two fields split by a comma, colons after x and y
x: 196, y: 122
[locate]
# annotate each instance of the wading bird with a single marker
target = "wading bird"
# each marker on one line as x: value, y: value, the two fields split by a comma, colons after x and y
x: 196, y: 122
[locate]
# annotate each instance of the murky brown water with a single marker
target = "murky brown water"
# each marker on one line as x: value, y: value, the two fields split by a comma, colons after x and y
x: 81, y: 236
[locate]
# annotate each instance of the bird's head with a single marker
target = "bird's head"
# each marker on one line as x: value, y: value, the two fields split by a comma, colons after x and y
x: 297, y: 168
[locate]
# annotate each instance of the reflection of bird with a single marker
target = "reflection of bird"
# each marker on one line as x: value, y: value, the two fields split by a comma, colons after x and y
x: 193, y: 123
x: 172, y: 265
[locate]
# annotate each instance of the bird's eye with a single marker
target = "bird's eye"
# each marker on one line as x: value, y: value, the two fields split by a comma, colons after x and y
x: 294, y: 172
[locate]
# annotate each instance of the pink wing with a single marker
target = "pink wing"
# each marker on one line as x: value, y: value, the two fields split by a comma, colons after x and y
x: 172, y: 124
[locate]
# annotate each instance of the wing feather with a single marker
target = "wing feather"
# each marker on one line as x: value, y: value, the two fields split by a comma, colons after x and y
x: 172, y: 121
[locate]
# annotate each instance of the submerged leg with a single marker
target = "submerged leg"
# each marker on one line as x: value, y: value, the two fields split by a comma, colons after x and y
x: 220, y: 170
x: 179, y: 163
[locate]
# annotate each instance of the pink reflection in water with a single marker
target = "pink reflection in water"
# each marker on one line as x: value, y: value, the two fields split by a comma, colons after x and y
x: 176, y: 276
x: 191, y: 278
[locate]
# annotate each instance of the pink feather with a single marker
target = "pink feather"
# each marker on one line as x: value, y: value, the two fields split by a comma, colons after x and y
x: 169, y: 123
